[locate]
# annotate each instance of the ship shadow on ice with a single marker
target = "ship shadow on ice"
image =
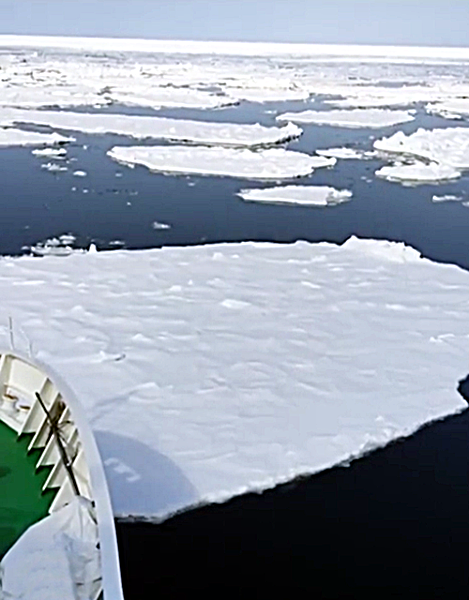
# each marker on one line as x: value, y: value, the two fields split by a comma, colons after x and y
x: 151, y: 481
x: 394, y: 524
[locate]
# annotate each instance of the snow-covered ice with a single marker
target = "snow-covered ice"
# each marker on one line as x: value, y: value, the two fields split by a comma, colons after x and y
x: 159, y: 226
x: 418, y: 173
x: 200, y: 132
x: 450, y: 109
x: 210, y: 371
x: 80, y: 173
x: 444, y: 146
x: 341, y: 153
x: 357, y: 118
x: 303, y: 195
x: 16, y: 137
x: 438, y: 154
x: 275, y: 163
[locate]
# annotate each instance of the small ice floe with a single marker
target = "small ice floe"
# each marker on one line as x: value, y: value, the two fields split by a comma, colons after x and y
x: 17, y: 137
x: 354, y: 119
x: 302, y: 195
x: 341, y: 153
x: 50, y: 152
x: 80, y: 173
x: 418, y: 173
x: 450, y: 109
x: 438, y: 154
x: 56, y: 246
x: 447, y: 198
x: 53, y: 167
x: 160, y: 226
x: 274, y: 163
x: 117, y: 243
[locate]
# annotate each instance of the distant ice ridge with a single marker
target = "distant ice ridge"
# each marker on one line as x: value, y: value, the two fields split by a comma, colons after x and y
x: 357, y: 118
x: 182, y: 130
x: 16, y: 137
x: 437, y: 154
x: 274, y: 163
x: 296, y: 194
x: 210, y: 371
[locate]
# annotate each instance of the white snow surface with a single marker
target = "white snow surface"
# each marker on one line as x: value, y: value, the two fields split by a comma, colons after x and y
x: 310, y: 195
x: 16, y: 137
x: 418, y: 173
x: 200, y: 132
x: 274, y: 163
x: 356, y: 118
x: 209, y: 371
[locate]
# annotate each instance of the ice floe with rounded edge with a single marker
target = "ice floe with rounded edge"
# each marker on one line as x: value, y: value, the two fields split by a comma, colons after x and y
x: 418, y: 173
x: 178, y: 130
x: 302, y: 195
x: 17, y: 137
x: 274, y: 163
x: 357, y: 118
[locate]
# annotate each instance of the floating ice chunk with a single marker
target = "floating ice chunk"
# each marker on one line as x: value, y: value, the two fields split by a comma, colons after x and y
x: 450, y: 109
x: 418, y: 173
x: 358, y: 118
x: 17, y: 137
x: 80, y: 173
x: 222, y: 134
x: 160, y: 226
x: 446, y: 146
x: 275, y: 163
x: 296, y: 194
x: 447, y: 198
x: 50, y: 152
x: 53, y: 167
x: 344, y: 153
x: 61, y: 245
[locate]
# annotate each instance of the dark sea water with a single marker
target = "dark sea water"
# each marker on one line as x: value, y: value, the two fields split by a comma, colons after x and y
x: 394, y: 524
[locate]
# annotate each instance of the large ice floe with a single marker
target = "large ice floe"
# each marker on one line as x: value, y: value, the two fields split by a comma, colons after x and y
x: 437, y: 154
x: 17, y: 137
x: 209, y: 371
x: 311, y: 195
x: 357, y: 118
x: 274, y: 163
x: 180, y: 130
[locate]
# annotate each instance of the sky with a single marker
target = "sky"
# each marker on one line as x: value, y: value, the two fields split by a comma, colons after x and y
x: 399, y: 22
